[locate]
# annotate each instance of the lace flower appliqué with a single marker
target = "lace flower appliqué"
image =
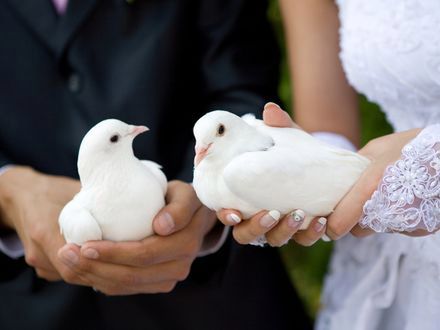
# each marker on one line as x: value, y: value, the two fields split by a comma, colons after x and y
x: 408, y: 197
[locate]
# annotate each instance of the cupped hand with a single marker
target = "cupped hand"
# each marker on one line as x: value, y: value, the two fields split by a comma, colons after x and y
x: 153, y: 265
x: 277, y: 229
x: 30, y: 203
x: 382, y: 152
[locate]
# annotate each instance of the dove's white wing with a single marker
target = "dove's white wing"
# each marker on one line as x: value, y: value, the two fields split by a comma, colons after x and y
x: 283, y: 180
x: 156, y: 169
x: 77, y: 224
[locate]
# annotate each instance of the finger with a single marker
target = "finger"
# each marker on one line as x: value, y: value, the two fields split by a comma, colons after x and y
x: 258, y: 225
x: 313, y: 233
x: 37, y: 258
x: 229, y: 217
x: 113, y: 289
x: 273, y: 115
x: 182, y: 203
x: 67, y: 257
x: 48, y: 275
x: 151, y: 250
x: 350, y: 208
x: 95, y: 272
x: 57, y: 242
x: 283, y: 232
x: 358, y: 231
x: 146, y: 252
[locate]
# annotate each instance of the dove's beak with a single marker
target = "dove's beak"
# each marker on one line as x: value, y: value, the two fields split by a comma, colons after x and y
x: 136, y: 130
x: 201, y: 152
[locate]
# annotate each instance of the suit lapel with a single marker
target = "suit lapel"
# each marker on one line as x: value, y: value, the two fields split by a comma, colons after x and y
x: 40, y: 17
x: 51, y: 29
x: 77, y: 12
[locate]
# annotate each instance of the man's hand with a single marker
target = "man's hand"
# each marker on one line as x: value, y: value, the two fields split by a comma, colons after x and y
x: 152, y: 265
x: 30, y: 203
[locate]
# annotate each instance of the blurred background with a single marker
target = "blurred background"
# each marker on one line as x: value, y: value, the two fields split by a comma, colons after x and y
x: 307, y: 266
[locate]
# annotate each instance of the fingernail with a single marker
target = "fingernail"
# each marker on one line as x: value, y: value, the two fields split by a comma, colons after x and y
x: 272, y: 103
x: 69, y: 257
x: 90, y: 253
x: 320, y: 224
x: 298, y: 215
x: 296, y: 218
x: 232, y: 217
x: 325, y: 238
x: 166, y: 223
x: 270, y: 218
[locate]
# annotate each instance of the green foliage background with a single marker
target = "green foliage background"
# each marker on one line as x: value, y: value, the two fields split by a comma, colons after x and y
x: 307, y: 266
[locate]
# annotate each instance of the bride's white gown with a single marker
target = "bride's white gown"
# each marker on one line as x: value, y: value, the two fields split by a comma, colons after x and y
x: 390, y: 50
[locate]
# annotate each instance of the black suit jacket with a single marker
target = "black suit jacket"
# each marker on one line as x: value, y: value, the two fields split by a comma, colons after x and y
x: 162, y: 63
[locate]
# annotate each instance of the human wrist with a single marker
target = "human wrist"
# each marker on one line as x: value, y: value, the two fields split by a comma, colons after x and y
x: 408, y: 195
x: 13, y: 183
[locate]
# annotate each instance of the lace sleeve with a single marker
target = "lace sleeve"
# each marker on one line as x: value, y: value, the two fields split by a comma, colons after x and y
x: 408, y: 197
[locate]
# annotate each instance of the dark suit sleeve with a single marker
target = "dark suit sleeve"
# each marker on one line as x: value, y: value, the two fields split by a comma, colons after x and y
x: 4, y: 160
x: 239, y: 55
x: 239, y: 59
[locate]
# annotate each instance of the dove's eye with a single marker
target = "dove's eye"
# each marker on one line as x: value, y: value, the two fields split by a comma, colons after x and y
x: 114, y: 138
x: 221, y: 130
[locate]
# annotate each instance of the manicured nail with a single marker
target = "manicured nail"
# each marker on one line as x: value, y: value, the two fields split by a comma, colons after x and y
x: 232, y: 217
x: 270, y: 218
x: 296, y: 218
x: 272, y: 103
x: 69, y: 257
x: 325, y: 238
x: 90, y: 253
x: 298, y: 215
x: 166, y: 223
x: 320, y: 224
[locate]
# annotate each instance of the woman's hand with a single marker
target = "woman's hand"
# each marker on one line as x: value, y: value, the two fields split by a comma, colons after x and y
x: 277, y: 229
x: 382, y: 152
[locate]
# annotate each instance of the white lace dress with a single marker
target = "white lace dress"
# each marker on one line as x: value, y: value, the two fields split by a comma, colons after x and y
x: 390, y: 50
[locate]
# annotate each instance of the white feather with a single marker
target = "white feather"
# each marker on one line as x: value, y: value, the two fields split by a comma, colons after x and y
x: 254, y: 167
x: 120, y: 194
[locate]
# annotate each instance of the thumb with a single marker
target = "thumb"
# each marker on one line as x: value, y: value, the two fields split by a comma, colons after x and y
x: 349, y: 210
x: 182, y: 203
x: 273, y: 115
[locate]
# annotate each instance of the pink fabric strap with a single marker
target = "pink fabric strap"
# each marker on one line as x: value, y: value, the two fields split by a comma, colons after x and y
x: 60, y: 6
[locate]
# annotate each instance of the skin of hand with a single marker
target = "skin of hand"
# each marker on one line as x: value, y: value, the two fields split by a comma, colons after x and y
x: 277, y: 231
x: 30, y: 203
x: 153, y: 265
x: 382, y: 152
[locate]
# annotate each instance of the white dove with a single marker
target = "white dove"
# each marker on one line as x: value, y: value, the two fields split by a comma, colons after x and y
x: 120, y: 194
x: 245, y: 165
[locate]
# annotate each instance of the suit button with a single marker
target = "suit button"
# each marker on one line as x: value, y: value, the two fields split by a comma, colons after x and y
x: 74, y: 83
